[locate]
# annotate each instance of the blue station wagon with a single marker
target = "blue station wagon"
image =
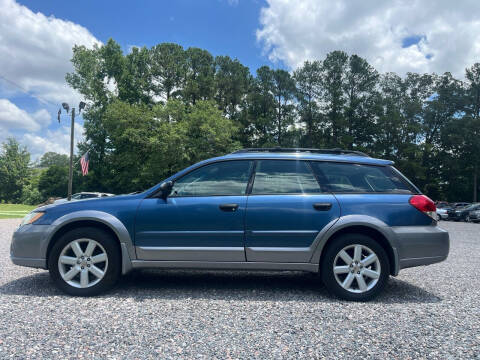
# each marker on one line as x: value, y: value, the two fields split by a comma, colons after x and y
x: 351, y: 218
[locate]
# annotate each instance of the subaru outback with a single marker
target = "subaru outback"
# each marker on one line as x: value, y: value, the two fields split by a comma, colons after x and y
x: 353, y: 219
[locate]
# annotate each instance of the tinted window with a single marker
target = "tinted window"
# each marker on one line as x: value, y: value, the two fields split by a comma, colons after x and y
x: 223, y: 178
x: 88, y: 196
x: 343, y: 177
x: 284, y: 177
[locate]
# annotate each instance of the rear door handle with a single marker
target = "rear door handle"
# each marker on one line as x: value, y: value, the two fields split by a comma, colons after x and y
x: 228, y: 207
x: 322, y: 206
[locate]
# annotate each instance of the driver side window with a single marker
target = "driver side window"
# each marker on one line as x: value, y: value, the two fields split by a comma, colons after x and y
x: 218, y: 179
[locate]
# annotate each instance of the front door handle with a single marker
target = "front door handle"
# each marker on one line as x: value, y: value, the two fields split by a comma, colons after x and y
x: 322, y: 206
x: 228, y: 207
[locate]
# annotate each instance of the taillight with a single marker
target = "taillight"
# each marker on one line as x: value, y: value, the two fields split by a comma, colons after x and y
x: 424, y: 204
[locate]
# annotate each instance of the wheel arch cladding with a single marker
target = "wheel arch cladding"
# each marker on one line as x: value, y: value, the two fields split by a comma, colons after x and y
x: 368, y: 231
x: 77, y: 225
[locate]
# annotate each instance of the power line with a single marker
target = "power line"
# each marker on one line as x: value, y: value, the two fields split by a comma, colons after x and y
x: 25, y: 91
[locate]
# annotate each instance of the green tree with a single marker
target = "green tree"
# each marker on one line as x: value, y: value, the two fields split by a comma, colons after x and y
x: 52, y: 158
x: 334, y: 71
x: 199, y: 76
x: 135, y: 81
x: 168, y: 67
x: 473, y: 114
x: 283, y: 92
x: 53, y: 182
x: 30, y: 193
x: 206, y: 132
x: 14, y: 170
x: 360, y: 90
x: 399, y: 126
x: 440, y: 108
x: 232, y: 82
x: 153, y: 111
x: 259, y: 125
x: 308, y: 83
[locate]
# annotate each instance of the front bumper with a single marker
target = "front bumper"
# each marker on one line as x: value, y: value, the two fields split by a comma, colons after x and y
x: 29, y: 246
x: 421, y: 245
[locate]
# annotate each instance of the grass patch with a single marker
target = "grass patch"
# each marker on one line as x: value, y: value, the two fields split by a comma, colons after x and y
x: 12, y: 211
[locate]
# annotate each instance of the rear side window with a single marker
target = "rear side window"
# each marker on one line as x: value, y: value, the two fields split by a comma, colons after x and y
x: 284, y: 177
x: 359, y: 178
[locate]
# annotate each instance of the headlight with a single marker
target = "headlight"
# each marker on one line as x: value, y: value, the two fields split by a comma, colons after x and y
x: 31, y: 218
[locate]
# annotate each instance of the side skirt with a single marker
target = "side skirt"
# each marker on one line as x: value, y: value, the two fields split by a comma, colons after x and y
x: 136, y: 264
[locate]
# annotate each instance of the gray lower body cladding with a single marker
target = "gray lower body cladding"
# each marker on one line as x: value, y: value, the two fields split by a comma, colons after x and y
x: 415, y: 246
x: 421, y: 245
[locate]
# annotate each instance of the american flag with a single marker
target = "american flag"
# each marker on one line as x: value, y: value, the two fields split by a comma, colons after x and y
x: 84, y: 162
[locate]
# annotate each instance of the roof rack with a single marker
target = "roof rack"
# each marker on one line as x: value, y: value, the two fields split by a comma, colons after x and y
x: 334, y: 151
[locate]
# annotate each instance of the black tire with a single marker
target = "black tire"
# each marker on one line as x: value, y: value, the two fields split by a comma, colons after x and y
x: 112, y: 249
x: 328, y: 259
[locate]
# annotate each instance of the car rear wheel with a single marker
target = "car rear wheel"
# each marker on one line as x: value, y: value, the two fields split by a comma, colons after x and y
x: 355, y: 267
x: 85, y: 262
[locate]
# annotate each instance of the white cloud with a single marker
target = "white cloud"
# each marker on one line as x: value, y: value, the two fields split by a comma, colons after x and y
x: 12, y: 117
x: 294, y: 31
x: 42, y: 117
x: 54, y: 140
x: 36, y: 51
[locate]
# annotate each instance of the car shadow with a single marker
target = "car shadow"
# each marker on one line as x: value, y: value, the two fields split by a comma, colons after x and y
x: 143, y: 285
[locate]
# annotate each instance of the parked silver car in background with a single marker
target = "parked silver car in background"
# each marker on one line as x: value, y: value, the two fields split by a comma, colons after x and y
x: 83, y: 196
x: 442, y: 213
x: 473, y: 216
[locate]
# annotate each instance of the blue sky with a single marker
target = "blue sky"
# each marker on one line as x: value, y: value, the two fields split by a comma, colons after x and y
x: 36, y: 38
x: 220, y: 26
x: 223, y: 27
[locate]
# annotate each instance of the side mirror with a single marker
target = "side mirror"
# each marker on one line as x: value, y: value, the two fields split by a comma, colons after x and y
x: 166, y: 189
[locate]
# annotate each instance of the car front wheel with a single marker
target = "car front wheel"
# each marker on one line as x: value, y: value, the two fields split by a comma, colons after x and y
x: 85, y: 262
x: 355, y: 267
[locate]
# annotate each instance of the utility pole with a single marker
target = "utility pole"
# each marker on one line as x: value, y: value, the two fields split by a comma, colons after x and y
x: 70, y: 172
x: 81, y: 106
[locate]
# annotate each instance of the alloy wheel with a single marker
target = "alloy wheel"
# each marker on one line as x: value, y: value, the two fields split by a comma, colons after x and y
x: 357, y: 268
x: 83, y: 263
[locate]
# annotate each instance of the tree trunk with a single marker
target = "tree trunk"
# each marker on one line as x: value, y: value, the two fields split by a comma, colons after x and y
x: 475, y: 186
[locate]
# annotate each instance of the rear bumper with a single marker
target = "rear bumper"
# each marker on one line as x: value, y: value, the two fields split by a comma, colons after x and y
x: 421, y: 245
x: 443, y: 216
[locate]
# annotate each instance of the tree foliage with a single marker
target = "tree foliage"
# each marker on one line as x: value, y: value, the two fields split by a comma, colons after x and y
x: 153, y: 111
x: 52, y: 158
x: 14, y: 170
x: 53, y: 182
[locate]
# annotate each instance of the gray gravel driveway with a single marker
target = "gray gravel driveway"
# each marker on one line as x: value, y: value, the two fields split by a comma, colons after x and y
x: 426, y: 312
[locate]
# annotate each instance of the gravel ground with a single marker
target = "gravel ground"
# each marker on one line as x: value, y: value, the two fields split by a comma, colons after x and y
x: 426, y: 312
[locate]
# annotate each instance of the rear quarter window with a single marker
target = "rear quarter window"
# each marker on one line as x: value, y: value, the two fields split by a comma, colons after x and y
x: 360, y: 178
